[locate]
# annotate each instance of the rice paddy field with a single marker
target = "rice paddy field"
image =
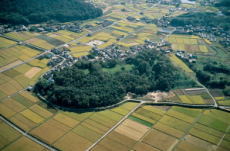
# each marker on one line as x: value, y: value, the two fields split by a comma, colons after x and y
x: 15, y: 55
x: 179, y: 63
x: 191, y: 96
x: 62, y: 129
x: 20, y: 77
x: 5, y: 43
x: 22, y: 36
x: 170, y: 128
x: 148, y: 128
x: 192, y: 44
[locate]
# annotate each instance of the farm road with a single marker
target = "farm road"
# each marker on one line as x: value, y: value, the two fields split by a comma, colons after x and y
x: 27, y: 135
x: 115, y: 126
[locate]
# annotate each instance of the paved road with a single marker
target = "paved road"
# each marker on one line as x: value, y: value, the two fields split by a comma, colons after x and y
x: 115, y: 126
x: 27, y: 135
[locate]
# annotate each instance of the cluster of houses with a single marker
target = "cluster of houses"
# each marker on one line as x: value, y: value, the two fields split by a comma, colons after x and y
x: 74, y: 27
x: 207, y: 32
x: 9, y: 28
x: 111, y: 52
x: 186, y: 56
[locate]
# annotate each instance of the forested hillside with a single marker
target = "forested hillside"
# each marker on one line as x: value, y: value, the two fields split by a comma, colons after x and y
x: 36, y: 11
x: 86, y: 85
x: 206, y: 18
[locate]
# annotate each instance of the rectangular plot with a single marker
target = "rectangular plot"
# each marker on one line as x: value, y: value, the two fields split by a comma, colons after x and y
x: 146, y: 123
x: 23, y: 122
x: 160, y: 140
x: 5, y: 42
x: 51, y: 40
x: 23, y: 68
x: 132, y: 129
x: 66, y: 120
x: 41, y: 111
x: 185, y: 99
x: 144, y: 147
x: 197, y: 99
x: 213, y: 123
x: 111, y: 115
x: 217, y: 114
x: 121, y: 111
x: 50, y: 131
x: 24, y: 144
x: 86, y: 133
x: 5, y: 111
x: 103, y: 120
x: 122, y: 139
x: 149, y: 114
x: 180, y: 116
x: 113, y: 145
x: 14, y: 105
x: 175, y: 123
x: 21, y: 99
x: 97, y: 125
x: 72, y: 142
x: 205, y: 136
x: 144, y: 118
x: 11, y: 65
x: 8, y: 88
x: 154, y: 109
x: 190, y: 112
x: 169, y: 130
x: 208, y: 130
x: 32, y: 116
x: 29, y: 96
x: 7, y: 134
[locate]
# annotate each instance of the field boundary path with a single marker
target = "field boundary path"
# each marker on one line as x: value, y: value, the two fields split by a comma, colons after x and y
x: 24, y: 133
x: 115, y: 126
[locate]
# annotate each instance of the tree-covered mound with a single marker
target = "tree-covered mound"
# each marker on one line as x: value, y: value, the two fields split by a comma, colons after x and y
x: 37, y: 11
x: 86, y: 84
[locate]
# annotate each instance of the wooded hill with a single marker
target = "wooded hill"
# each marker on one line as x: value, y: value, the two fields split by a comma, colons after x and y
x: 86, y: 84
x: 37, y: 11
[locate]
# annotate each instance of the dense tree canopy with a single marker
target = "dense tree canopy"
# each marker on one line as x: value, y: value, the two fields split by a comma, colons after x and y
x: 86, y: 85
x: 202, y: 19
x: 36, y: 11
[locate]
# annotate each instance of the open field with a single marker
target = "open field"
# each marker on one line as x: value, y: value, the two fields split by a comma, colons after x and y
x: 188, y: 43
x: 6, y: 43
x: 40, y: 43
x: 24, y: 144
x: 155, y: 138
x: 22, y: 35
x: 7, y: 135
x: 16, y: 54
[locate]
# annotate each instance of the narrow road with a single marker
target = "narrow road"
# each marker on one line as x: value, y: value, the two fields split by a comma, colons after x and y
x: 27, y: 135
x: 115, y: 126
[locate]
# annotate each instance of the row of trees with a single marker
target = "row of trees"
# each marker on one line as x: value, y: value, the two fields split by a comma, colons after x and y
x: 37, y: 11
x: 86, y: 85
